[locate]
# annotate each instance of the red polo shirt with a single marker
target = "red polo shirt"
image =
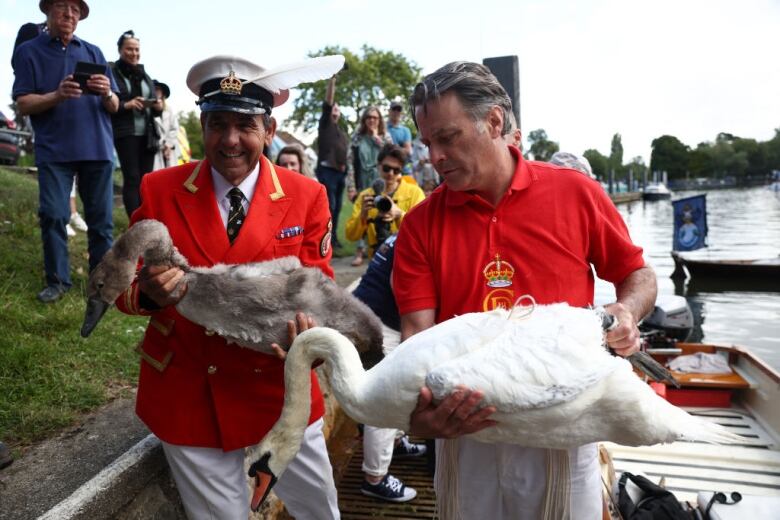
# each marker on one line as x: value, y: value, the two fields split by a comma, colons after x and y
x: 456, y: 253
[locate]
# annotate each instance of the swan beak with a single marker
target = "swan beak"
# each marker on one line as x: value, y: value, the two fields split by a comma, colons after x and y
x: 264, y: 481
x: 96, y: 308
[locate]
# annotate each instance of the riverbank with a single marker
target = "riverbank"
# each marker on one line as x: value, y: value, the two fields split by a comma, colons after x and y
x: 104, y: 466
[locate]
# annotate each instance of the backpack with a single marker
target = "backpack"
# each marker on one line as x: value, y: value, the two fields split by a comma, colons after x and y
x: 657, y: 504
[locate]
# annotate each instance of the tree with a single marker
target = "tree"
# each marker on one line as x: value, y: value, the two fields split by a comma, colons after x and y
x: 599, y: 163
x: 541, y: 147
x: 191, y: 123
x: 373, y: 78
x: 773, y: 151
x: 616, y: 155
x: 637, y: 167
x: 669, y: 155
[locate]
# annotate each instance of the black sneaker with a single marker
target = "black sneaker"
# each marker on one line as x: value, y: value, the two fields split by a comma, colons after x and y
x: 5, y: 456
x: 404, y: 448
x: 51, y: 294
x: 390, y: 489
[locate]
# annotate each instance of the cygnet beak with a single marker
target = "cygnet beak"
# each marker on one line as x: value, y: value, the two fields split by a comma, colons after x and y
x: 264, y: 481
x: 96, y: 308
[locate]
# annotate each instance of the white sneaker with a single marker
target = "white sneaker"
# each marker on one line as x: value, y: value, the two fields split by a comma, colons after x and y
x: 77, y: 222
x: 70, y: 231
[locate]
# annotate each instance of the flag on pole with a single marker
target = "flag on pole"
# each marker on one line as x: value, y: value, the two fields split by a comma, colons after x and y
x: 690, y: 223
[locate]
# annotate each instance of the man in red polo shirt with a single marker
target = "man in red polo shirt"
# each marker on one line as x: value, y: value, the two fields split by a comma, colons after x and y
x: 501, y: 227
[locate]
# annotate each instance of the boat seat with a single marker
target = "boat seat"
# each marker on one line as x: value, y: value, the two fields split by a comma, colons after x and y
x: 732, y: 381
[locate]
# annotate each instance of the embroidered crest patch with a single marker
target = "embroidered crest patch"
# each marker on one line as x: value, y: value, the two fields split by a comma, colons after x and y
x: 325, y: 241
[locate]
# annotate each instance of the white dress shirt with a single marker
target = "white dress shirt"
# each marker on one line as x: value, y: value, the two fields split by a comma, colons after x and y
x: 222, y: 187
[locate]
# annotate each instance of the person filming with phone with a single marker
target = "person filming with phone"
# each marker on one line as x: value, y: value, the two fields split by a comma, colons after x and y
x: 136, y: 136
x: 72, y: 125
x: 379, y: 210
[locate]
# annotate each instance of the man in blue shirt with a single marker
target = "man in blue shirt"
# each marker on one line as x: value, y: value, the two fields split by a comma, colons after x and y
x: 72, y: 136
x: 401, y: 134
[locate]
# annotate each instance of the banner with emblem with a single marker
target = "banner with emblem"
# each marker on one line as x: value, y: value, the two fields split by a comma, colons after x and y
x: 690, y: 223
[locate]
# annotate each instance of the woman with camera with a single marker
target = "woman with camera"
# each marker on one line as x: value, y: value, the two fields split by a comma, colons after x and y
x: 379, y: 210
x: 369, y: 139
x: 136, y: 137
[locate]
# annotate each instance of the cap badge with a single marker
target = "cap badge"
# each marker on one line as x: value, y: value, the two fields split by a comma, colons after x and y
x: 230, y: 84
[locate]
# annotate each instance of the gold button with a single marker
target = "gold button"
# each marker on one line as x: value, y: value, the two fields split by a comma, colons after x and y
x: 212, y: 370
x: 209, y: 332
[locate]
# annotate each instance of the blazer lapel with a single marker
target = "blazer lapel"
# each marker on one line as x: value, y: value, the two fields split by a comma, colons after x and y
x: 268, y: 207
x: 198, y: 207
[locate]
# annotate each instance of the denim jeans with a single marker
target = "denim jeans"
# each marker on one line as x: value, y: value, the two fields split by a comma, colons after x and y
x: 95, y: 187
x: 334, y: 182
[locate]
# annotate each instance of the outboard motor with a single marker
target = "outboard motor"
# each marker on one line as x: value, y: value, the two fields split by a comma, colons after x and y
x: 672, y: 316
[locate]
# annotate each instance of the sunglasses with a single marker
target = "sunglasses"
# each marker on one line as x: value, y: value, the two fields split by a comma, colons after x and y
x: 387, y: 169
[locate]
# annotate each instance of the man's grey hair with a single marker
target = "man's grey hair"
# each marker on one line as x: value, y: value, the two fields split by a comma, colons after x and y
x: 476, y: 87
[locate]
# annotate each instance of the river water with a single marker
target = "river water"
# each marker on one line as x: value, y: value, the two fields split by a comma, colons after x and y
x: 743, y: 224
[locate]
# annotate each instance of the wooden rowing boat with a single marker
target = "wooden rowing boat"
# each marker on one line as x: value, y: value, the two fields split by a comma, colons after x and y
x: 766, y: 269
x: 745, y: 402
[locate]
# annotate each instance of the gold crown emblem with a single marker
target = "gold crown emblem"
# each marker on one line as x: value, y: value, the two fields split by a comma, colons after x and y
x: 230, y: 84
x: 499, y: 273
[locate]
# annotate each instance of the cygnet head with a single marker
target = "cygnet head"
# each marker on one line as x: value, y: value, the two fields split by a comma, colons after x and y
x: 108, y: 280
x: 116, y: 271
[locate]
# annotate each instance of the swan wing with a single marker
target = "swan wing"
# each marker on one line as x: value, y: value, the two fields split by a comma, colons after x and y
x: 548, y: 358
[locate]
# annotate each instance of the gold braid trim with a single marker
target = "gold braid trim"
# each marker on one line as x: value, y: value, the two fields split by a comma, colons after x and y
x: 278, y: 193
x: 191, y: 179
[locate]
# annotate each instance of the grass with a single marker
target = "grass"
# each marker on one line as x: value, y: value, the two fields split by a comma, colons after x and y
x: 49, y: 375
x: 347, y: 247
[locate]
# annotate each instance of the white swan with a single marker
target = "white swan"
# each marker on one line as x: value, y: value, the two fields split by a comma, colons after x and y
x: 551, y: 380
x: 247, y: 304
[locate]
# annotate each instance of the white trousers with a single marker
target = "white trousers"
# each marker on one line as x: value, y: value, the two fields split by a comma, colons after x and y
x: 213, y: 483
x: 378, y: 445
x: 508, y: 482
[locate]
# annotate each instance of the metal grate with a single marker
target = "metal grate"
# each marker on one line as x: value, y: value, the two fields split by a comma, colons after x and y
x: 412, y: 471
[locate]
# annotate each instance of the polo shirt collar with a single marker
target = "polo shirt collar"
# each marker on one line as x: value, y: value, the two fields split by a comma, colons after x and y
x: 521, y: 179
x: 75, y: 38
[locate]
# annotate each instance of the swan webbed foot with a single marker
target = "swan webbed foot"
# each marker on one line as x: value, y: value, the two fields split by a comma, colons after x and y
x: 264, y: 480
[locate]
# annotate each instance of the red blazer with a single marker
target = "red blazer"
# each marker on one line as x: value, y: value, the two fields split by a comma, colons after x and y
x: 194, y: 388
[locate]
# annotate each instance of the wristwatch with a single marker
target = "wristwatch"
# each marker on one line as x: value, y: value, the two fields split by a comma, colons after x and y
x: 109, y: 96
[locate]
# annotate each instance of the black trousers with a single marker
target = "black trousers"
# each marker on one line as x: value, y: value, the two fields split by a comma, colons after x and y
x: 136, y: 160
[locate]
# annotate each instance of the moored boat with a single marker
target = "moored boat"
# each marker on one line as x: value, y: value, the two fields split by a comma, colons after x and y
x: 656, y: 191
x: 767, y: 269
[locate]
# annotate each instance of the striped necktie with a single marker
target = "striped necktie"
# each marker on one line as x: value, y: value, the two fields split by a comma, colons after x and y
x: 236, y: 215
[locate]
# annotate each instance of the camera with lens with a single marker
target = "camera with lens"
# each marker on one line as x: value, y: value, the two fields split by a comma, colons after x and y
x: 382, y: 229
x: 383, y: 203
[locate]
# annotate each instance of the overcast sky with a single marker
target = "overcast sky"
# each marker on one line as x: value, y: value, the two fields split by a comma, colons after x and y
x: 588, y: 69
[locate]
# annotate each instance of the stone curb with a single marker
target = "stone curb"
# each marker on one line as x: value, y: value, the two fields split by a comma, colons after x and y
x: 111, y: 489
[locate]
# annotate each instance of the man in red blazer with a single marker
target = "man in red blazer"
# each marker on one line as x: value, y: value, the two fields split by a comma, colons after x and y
x: 207, y: 400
